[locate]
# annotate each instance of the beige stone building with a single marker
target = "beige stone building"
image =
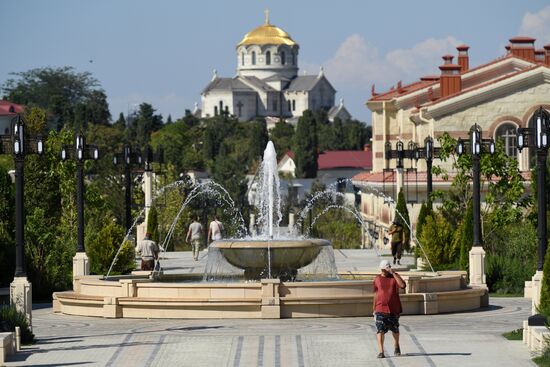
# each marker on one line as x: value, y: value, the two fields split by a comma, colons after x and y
x: 500, y: 96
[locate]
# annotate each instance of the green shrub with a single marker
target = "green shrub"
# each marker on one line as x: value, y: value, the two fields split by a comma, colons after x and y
x: 437, y: 240
x: 10, y: 318
x: 103, y: 247
x: 341, y: 228
x: 511, y: 253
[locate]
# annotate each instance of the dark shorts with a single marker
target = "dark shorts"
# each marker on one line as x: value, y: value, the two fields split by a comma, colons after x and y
x: 396, y: 249
x: 147, y: 264
x: 385, y: 322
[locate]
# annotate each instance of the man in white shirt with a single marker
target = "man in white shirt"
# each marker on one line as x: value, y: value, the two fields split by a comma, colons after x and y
x: 215, y: 231
x: 194, y: 235
x: 149, y: 252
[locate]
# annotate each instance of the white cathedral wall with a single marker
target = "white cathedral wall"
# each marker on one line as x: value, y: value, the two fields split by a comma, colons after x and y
x: 212, y: 99
x: 248, y: 109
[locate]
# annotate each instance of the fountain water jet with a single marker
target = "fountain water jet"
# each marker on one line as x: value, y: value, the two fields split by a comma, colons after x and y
x: 269, y: 255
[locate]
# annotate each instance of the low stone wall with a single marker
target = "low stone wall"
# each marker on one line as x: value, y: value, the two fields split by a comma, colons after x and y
x: 144, y: 298
x: 7, y: 345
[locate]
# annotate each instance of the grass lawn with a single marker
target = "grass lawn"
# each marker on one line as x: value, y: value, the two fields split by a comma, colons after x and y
x: 514, y: 334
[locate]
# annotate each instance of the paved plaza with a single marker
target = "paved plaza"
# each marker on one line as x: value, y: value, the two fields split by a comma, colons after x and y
x: 466, y: 339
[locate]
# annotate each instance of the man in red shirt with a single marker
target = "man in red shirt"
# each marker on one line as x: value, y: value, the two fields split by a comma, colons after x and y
x: 386, y: 306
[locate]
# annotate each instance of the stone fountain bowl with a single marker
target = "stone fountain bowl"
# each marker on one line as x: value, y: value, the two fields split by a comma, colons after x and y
x: 284, y: 256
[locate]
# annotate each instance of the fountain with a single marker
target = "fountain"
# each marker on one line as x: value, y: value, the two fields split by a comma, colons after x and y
x: 268, y: 255
x: 272, y: 275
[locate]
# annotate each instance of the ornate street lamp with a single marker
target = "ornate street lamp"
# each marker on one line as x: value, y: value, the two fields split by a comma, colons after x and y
x: 80, y: 152
x: 129, y: 159
x: 20, y: 144
x: 476, y: 146
x: 537, y: 138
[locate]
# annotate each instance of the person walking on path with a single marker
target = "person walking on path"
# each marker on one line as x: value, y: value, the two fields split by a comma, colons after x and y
x: 194, y: 235
x: 149, y: 252
x: 386, y: 306
x: 215, y: 231
x: 396, y: 232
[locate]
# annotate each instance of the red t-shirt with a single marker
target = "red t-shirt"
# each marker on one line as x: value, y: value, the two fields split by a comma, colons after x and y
x: 387, y: 295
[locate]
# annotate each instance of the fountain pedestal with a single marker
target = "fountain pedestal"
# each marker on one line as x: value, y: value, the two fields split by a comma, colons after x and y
x: 270, y: 259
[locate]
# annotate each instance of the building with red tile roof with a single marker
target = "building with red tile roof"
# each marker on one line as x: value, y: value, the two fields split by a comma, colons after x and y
x: 8, y: 111
x: 500, y: 96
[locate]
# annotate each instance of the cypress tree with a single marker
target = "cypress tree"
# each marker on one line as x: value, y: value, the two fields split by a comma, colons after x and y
x: 306, y: 146
x: 467, y: 237
x: 402, y: 215
x: 153, y: 223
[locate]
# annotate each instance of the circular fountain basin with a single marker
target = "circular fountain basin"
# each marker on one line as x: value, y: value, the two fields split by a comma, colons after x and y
x: 270, y: 258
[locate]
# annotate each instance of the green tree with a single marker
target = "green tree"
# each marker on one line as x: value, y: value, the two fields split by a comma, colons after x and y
x: 258, y: 139
x: 436, y: 239
x: 120, y: 124
x: 338, y: 138
x: 402, y: 215
x: 153, y: 223
x: 465, y: 236
x: 59, y: 91
x: 282, y: 135
x: 306, y: 146
x: 145, y: 123
x: 103, y: 247
x: 7, y: 225
x: 425, y: 210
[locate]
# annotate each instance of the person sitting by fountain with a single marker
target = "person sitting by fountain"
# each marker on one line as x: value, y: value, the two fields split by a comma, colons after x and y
x: 215, y: 231
x: 396, y: 232
x: 386, y: 306
x: 149, y: 252
x: 194, y: 235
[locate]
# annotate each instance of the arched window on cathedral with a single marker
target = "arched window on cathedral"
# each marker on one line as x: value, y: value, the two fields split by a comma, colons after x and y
x: 506, y: 133
x: 268, y: 58
x: 215, y: 110
x: 293, y: 58
x: 242, y: 58
x: 293, y: 105
x: 283, y: 58
x: 221, y: 107
x: 253, y: 57
x: 289, y: 106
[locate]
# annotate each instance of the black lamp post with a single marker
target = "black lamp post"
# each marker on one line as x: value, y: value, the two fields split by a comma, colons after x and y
x: 429, y: 153
x: 537, y: 137
x: 19, y: 144
x: 475, y: 147
x: 80, y: 152
x: 128, y: 158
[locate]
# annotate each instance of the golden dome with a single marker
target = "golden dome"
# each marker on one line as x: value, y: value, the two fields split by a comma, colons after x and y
x: 267, y: 34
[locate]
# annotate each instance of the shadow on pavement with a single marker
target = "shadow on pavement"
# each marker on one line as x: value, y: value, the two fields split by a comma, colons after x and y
x: 435, y: 354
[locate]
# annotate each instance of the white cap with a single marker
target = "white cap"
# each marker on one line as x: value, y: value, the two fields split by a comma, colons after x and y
x: 385, y: 264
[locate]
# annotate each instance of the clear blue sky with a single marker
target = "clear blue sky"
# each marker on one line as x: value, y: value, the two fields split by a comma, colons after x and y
x: 163, y: 52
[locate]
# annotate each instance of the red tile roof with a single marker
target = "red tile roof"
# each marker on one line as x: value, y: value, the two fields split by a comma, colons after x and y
x: 478, y: 86
x: 5, y: 107
x: 389, y: 177
x: 432, y: 80
x: 345, y: 159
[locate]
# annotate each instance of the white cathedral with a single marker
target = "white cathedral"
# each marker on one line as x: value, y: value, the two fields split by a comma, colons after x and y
x: 267, y: 83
